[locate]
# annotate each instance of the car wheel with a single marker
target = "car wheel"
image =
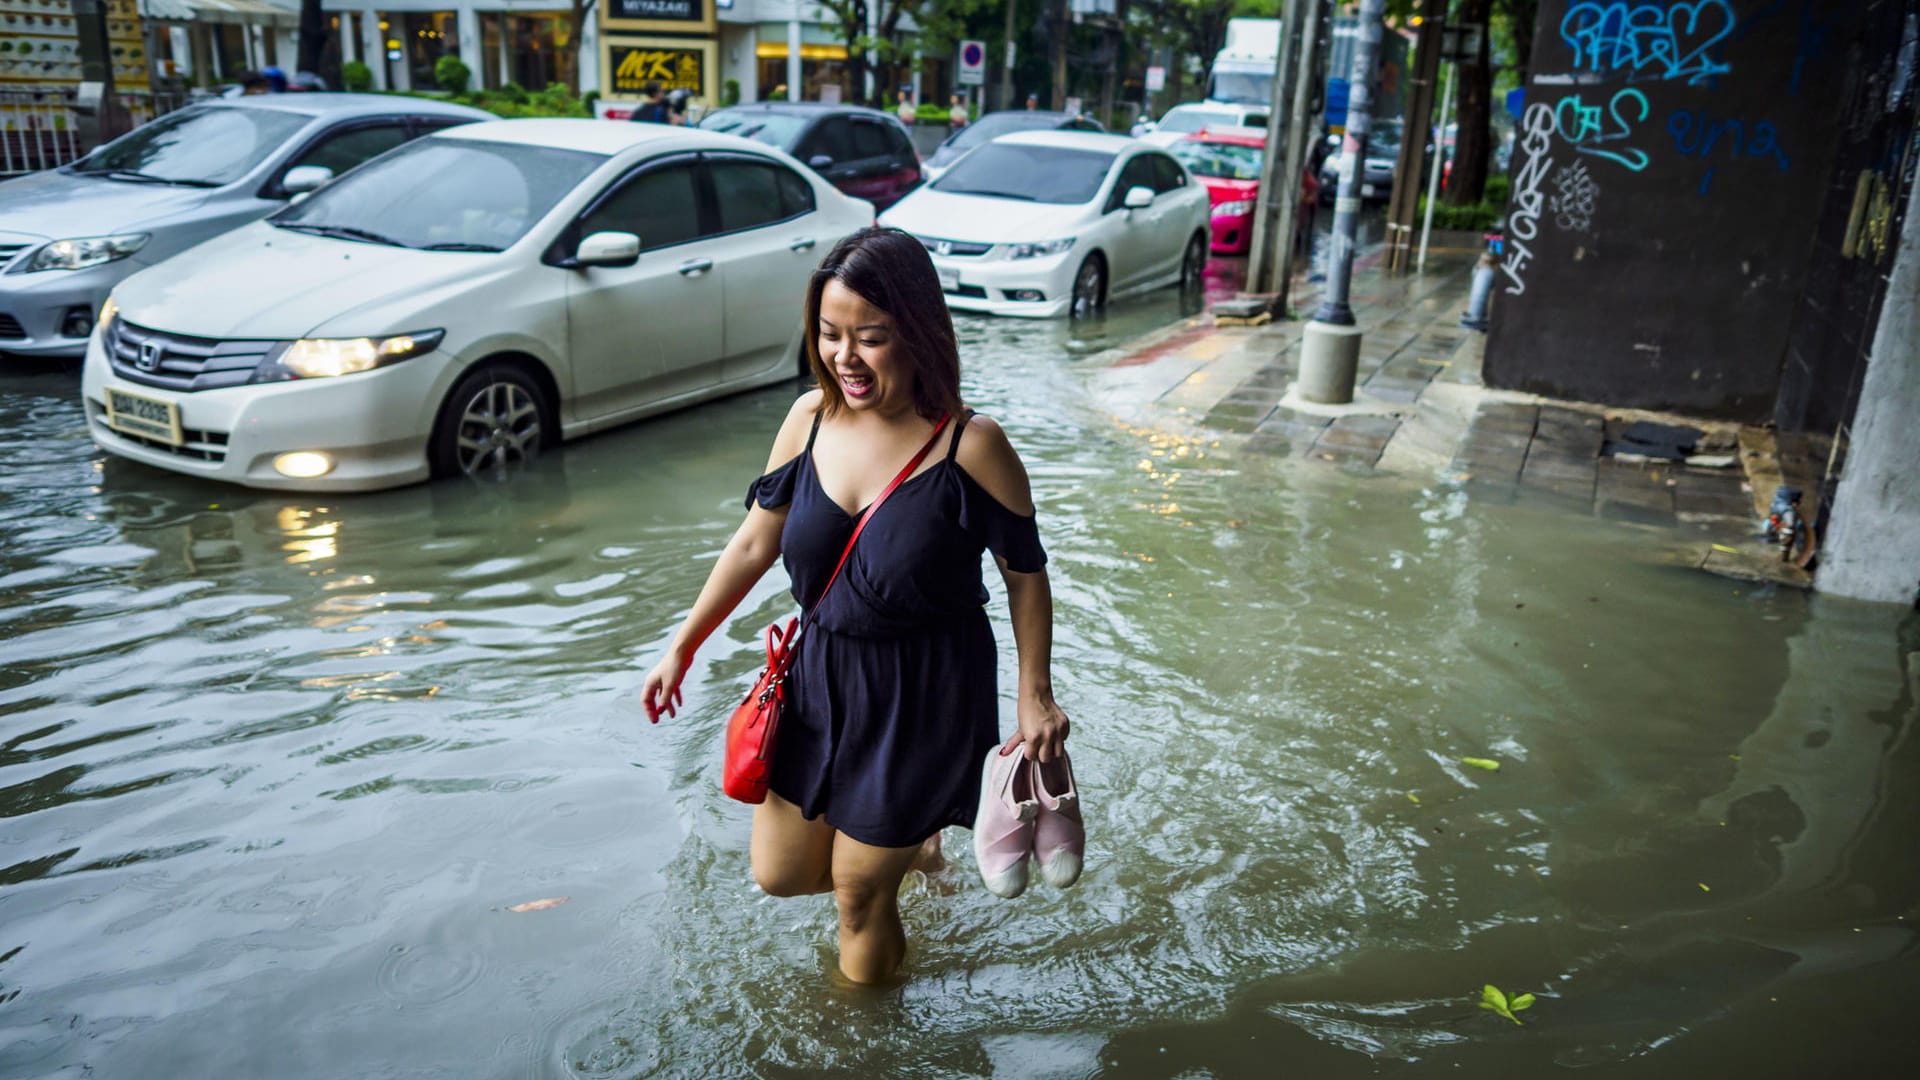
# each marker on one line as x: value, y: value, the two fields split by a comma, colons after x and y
x: 494, y: 418
x: 1193, y: 265
x: 1089, y: 287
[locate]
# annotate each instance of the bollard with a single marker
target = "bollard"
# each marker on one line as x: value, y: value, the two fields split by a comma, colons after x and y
x: 1329, y: 358
x: 1476, y: 316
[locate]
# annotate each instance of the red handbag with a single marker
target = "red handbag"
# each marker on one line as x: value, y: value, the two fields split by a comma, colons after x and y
x: 756, y: 720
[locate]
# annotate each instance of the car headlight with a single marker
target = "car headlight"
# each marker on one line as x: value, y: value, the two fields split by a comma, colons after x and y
x: 324, y: 358
x: 108, y: 312
x: 86, y: 251
x: 1234, y: 209
x: 1043, y: 247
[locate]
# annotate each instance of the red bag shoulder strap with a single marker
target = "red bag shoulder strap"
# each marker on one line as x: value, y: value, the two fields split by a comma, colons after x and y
x: 861, y: 525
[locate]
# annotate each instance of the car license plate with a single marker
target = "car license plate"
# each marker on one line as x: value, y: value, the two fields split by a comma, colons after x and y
x: 949, y: 278
x: 1366, y: 191
x: 149, y: 418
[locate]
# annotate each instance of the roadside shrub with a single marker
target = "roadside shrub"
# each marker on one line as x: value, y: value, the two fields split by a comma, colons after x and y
x: 356, y: 77
x: 513, y: 92
x: 1471, y: 218
x: 929, y: 113
x: 1499, y: 187
x: 451, y: 75
x: 588, y: 100
x: 730, y: 92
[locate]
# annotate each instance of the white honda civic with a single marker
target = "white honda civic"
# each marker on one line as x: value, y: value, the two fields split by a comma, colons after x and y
x: 1046, y: 223
x: 458, y: 303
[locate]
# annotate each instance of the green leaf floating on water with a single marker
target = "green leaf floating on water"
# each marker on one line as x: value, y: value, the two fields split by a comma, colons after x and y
x: 1481, y: 763
x: 1492, y: 1000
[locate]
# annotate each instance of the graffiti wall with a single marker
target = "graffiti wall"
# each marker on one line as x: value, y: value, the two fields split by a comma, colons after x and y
x: 1668, y: 174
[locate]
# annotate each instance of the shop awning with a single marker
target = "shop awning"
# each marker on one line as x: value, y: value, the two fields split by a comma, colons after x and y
x: 223, y: 12
x: 777, y: 50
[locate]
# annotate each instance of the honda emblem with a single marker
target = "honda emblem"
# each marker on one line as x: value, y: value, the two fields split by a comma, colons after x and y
x: 943, y: 248
x: 151, y: 353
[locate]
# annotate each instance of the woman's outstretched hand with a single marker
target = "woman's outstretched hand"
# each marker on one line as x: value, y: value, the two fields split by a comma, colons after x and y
x: 1043, y: 727
x: 662, y: 691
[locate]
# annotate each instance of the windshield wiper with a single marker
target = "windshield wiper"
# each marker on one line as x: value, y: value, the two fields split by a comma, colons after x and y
x: 461, y: 247
x: 146, y: 178
x: 342, y: 232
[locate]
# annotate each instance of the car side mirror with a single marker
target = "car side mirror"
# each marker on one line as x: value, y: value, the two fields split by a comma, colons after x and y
x: 306, y: 179
x: 613, y: 249
x: 820, y: 161
x: 1138, y: 198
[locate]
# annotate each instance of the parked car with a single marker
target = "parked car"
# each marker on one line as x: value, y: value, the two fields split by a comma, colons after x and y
x: 1227, y: 161
x: 1376, y: 171
x: 69, y: 235
x: 465, y: 301
x: 1183, y: 120
x: 993, y: 125
x: 1046, y: 223
x: 863, y: 152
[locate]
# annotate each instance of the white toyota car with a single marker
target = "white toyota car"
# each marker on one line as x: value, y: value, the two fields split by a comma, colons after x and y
x: 463, y: 301
x: 1049, y: 223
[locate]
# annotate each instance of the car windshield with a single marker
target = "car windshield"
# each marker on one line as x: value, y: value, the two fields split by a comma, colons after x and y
x: 1044, y: 174
x: 994, y: 125
x: 1385, y: 135
x: 444, y: 194
x: 202, y: 145
x: 774, y: 129
x: 1254, y: 87
x: 1191, y: 120
x: 1225, y: 161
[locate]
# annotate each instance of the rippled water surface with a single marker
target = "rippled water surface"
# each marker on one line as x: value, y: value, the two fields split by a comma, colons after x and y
x: 273, y: 772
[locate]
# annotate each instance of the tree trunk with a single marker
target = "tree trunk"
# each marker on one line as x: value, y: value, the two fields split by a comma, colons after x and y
x: 1523, y: 14
x: 576, y: 34
x: 313, y: 36
x: 1062, y: 28
x: 1467, y: 182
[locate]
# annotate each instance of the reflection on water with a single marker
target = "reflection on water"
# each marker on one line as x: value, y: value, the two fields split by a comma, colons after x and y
x: 273, y: 770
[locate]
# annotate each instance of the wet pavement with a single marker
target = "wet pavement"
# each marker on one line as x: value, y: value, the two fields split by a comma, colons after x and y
x: 275, y: 771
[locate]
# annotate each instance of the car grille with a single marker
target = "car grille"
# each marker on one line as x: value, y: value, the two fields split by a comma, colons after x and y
x: 8, y: 251
x: 185, y: 363
x: 199, y: 445
x: 971, y: 292
x: 10, y: 328
x: 958, y: 248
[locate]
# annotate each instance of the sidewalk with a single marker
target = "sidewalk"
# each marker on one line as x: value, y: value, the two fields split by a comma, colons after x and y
x: 1422, y: 411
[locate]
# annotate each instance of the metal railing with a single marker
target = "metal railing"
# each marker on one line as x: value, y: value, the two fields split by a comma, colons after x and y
x: 40, y: 130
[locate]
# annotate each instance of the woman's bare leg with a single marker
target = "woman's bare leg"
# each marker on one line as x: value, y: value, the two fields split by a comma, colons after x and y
x: 791, y: 855
x: 866, y: 886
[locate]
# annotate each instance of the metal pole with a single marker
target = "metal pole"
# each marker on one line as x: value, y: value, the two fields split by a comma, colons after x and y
x: 1346, y: 214
x: 1439, y: 166
x: 1263, y: 269
x: 1006, y: 70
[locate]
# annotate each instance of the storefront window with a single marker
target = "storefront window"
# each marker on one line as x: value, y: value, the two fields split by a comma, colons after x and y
x: 426, y: 36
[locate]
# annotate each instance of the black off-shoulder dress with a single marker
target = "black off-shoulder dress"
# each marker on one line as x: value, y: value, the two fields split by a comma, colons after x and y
x: 892, y: 702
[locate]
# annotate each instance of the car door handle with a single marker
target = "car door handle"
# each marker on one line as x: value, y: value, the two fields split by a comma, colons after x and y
x: 695, y: 266
x: 801, y: 244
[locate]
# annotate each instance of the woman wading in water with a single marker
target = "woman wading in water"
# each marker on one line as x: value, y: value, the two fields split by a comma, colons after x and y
x: 891, y: 704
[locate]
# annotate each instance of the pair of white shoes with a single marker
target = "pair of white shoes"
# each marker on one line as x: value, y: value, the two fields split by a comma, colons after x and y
x: 1027, y: 809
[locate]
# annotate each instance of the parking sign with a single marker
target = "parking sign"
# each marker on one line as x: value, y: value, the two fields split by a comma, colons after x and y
x: 973, y: 64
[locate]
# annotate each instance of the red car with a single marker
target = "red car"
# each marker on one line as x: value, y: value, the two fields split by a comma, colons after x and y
x: 1227, y: 160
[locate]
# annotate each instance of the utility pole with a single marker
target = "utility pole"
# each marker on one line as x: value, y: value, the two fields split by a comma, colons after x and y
x: 1330, y: 349
x: 1267, y: 260
x: 1412, y: 164
x: 1309, y: 84
x: 1061, y: 28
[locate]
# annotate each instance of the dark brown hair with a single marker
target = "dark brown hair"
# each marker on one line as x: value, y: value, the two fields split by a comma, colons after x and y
x: 891, y: 270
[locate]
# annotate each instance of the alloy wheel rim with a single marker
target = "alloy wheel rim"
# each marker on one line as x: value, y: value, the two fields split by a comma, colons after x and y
x: 499, y: 427
x: 1086, y: 289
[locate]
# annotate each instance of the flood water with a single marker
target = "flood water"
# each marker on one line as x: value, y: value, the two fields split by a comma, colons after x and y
x: 273, y: 770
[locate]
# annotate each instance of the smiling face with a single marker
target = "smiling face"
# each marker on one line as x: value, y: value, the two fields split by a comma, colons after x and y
x: 860, y: 349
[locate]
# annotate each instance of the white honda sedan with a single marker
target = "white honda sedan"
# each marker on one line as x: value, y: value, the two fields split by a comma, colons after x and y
x: 1047, y: 223
x: 458, y: 303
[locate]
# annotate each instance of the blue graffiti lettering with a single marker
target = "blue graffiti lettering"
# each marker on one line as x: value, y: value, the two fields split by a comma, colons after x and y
x: 1587, y: 127
x: 1695, y: 134
x: 1647, y: 40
